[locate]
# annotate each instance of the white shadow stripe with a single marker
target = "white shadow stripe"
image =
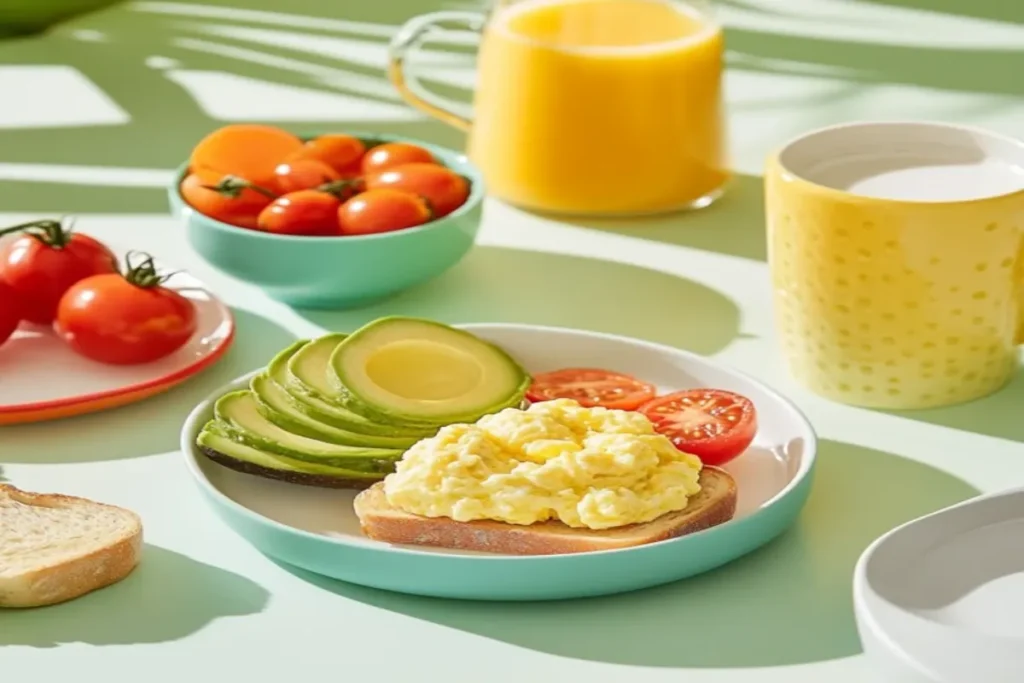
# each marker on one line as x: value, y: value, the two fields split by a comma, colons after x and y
x: 87, y: 175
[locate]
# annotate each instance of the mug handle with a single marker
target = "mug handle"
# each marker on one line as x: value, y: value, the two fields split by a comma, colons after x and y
x: 412, y: 33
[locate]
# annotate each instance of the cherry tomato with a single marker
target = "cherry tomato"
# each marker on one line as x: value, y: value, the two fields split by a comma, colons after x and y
x: 245, y: 150
x: 227, y: 199
x: 43, y: 262
x: 716, y: 426
x: 125, y: 319
x: 304, y: 174
x: 442, y: 187
x: 382, y: 210
x: 306, y: 212
x: 591, y: 387
x: 392, y: 154
x: 10, y: 312
x: 343, y: 153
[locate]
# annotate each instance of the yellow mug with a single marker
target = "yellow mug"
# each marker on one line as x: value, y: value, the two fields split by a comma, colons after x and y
x: 897, y: 261
x: 588, y: 107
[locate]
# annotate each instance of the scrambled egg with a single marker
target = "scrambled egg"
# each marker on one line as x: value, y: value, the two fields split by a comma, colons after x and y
x: 586, y: 467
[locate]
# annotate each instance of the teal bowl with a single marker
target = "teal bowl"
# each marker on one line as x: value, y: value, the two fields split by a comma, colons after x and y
x: 339, y: 272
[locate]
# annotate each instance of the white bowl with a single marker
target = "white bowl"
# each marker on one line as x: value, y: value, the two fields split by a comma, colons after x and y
x: 941, y: 598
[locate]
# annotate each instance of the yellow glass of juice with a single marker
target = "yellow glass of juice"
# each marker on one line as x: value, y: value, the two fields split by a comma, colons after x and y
x: 590, y: 107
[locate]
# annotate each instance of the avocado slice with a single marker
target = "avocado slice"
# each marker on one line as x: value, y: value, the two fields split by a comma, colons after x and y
x: 222, y: 449
x: 410, y: 370
x: 302, y: 381
x: 239, y: 411
x: 277, y: 405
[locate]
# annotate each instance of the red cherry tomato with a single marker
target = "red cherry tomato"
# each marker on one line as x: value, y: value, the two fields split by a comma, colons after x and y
x: 41, y: 264
x: 442, y: 187
x: 125, y: 320
x: 306, y: 212
x: 716, y: 426
x: 225, y: 198
x: 383, y: 210
x: 591, y: 387
x: 343, y: 153
x: 392, y: 154
x: 10, y: 312
x: 304, y: 174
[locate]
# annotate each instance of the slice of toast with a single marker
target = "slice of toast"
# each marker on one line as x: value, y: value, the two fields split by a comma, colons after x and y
x: 55, y: 548
x: 715, y: 504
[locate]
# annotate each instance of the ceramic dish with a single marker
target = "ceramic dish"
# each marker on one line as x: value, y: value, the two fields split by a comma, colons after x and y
x: 43, y: 379
x: 339, y: 272
x: 316, y: 529
x: 938, y: 599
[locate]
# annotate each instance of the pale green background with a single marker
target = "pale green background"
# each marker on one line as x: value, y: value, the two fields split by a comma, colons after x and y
x: 204, y: 603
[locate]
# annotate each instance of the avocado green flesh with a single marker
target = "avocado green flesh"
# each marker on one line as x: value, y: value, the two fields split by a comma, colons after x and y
x: 277, y: 405
x: 307, y: 398
x: 212, y: 438
x: 423, y: 373
x: 239, y: 411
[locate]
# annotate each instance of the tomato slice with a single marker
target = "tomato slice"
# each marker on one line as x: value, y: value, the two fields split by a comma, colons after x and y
x: 715, y: 425
x: 591, y: 387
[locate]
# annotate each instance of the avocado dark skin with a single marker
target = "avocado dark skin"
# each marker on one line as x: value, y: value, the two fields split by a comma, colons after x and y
x: 319, y: 480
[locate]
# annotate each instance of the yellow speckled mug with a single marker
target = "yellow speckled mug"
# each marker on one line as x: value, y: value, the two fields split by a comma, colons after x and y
x: 897, y: 261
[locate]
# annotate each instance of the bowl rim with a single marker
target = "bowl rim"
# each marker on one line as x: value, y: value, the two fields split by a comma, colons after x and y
x: 477, y: 192
x: 801, y: 478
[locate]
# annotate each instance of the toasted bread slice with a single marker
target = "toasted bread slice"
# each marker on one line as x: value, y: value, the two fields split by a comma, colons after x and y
x: 715, y: 504
x: 55, y: 548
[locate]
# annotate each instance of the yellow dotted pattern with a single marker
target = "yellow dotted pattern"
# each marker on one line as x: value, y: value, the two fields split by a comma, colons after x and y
x: 886, y: 305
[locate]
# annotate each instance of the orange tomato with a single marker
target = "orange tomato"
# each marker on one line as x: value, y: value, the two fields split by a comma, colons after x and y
x: 382, y: 210
x: 442, y: 187
x: 229, y: 201
x: 250, y: 151
x: 303, y: 174
x: 343, y: 153
x: 392, y: 154
x: 306, y: 212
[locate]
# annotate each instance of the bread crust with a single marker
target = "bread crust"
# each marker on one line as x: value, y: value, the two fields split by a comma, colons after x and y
x: 66, y: 580
x: 715, y: 505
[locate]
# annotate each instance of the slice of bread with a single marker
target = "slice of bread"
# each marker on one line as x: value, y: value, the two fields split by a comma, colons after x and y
x: 715, y: 504
x: 55, y: 548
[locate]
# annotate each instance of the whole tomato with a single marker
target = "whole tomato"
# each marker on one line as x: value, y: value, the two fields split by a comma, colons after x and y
x: 445, y: 189
x: 382, y: 210
x: 125, y: 319
x: 43, y: 262
x: 307, y: 212
x: 227, y: 199
x: 10, y: 312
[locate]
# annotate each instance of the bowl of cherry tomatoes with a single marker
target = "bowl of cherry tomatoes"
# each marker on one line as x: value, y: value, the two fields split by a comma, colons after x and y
x: 336, y: 220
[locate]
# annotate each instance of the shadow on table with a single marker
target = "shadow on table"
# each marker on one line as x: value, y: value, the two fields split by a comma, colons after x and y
x: 167, y: 597
x: 788, y: 603
x: 734, y: 225
x: 515, y: 286
x: 1000, y: 415
x: 151, y: 426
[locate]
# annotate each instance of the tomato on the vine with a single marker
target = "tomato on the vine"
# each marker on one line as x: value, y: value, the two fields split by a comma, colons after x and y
x: 445, y: 189
x: 591, y: 387
x: 10, y: 312
x: 715, y: 425
x: 306, y: 212
x: 382, y: 210
x: 44, y: 261
x: 393, y: 154
x: 125, y: 319
x: 228, y: 199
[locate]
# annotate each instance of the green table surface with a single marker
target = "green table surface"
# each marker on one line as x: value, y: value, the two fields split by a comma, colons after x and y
x: 95, y: 113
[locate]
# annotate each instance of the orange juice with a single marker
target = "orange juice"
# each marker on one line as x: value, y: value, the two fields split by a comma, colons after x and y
x: 600, y: 106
